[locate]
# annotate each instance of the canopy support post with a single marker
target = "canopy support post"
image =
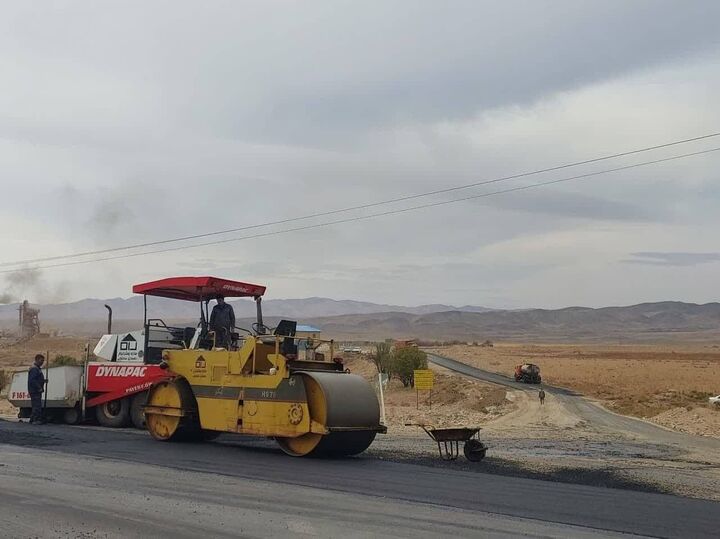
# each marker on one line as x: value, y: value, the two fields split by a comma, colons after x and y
x: 258, y: 304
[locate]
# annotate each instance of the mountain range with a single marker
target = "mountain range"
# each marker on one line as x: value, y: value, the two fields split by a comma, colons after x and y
x: 356, y: 320
x: 132, y: 309
x: 646, y: 322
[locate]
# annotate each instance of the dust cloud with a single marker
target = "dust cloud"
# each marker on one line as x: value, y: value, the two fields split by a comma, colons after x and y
x: 28, y: 283
x: 110, y: 216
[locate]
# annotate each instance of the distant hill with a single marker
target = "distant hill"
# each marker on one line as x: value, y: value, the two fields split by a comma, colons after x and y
x: 647, y: 322
x: 355, y: 320
x: 132, y: 309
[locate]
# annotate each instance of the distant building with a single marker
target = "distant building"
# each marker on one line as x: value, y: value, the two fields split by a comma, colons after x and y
x: 307, y: 332
x: 405, y: 343
x: 305, y: 335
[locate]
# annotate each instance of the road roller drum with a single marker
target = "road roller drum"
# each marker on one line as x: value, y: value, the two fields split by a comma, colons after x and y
x: 347, y: 406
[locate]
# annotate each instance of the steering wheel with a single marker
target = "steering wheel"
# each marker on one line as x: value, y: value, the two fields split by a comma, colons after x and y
x: 258, y: 328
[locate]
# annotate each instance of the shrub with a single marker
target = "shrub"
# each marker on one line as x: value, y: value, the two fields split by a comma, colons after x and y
x: 405, y: 361
x: 61, y: 360
x: 3, y: 379
x: 383, y: 357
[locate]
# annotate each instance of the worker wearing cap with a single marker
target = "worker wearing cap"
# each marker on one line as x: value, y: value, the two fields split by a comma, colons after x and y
x: 222, y: 322
x: 36, y: 386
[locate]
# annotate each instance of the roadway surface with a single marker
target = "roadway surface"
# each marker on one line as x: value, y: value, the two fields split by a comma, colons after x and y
x: 62, y: 481
x: 588, y: 410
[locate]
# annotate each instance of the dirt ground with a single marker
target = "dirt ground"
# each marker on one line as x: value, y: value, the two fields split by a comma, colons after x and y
x: 14, y: 356
x: 701, y: 421
x: 6, y: 409
x: 456, y: 401
x: 668, y: 385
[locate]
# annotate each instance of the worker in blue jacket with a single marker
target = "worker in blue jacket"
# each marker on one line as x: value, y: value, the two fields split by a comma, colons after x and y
x: 36, y: 386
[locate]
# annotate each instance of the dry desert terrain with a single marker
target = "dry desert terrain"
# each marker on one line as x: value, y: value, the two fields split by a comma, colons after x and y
x: 668, y: 384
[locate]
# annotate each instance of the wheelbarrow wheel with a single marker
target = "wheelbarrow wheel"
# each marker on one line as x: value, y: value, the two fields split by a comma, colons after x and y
x: 474, y: 450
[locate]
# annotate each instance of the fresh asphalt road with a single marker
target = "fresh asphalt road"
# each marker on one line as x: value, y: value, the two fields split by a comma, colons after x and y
x: 587, y: 410
x: 62, y: 481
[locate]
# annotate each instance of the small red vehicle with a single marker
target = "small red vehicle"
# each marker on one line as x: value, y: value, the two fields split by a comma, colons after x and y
x: 528, y: 373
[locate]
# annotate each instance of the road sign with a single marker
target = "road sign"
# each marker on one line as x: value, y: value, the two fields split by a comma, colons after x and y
x: 423, y: 379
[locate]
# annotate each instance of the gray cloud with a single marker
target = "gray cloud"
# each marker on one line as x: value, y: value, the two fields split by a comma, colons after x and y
x: 673, y: 259
x: 229, y: 115
x: 576, y: 205
x: 325, y: 74
x: 381, y: 67
x: 112, y: 211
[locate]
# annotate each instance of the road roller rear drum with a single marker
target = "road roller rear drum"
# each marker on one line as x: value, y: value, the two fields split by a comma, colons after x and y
x: 171, y: 412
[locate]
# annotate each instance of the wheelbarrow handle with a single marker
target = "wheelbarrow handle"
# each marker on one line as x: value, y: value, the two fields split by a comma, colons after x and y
x: 426, y: 427
x: 421, y: 425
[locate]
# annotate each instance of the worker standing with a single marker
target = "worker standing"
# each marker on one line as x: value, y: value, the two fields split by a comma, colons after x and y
x: 222, y: 322
x: 541, y: 396
x: 36, y: 386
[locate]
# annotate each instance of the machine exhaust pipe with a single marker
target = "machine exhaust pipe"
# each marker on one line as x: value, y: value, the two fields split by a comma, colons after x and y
x: 109, y: 318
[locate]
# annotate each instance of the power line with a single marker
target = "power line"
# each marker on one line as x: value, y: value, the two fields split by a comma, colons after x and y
x: 355, y: 208
x: 379, y: 214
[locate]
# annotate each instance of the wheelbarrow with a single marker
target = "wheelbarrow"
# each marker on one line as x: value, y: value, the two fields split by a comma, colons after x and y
x: 448, y: 441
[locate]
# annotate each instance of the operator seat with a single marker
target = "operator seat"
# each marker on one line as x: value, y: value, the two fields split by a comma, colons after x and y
x: 188, y: 334
x: 287, y: 328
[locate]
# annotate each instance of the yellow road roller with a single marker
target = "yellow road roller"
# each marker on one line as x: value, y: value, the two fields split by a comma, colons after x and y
x: 259, y: 381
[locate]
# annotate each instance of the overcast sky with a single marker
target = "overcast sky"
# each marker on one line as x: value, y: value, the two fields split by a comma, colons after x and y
x: 127, y: 122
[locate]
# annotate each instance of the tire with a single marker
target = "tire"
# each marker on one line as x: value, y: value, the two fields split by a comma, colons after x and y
x: 71, y: 416
x: 474, y: 450
x: 137, y: 415
x: 114, y: 414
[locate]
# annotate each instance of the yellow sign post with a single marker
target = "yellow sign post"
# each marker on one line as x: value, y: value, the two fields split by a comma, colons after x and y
x: 423, y: 381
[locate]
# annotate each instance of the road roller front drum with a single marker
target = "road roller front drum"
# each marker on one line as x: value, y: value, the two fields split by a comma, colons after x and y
x: 344, y: 402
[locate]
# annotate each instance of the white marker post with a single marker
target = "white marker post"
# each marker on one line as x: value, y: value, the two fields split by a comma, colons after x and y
x: 382, y: 399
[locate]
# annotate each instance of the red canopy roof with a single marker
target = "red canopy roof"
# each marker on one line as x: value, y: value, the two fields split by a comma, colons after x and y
x: 198, y: 288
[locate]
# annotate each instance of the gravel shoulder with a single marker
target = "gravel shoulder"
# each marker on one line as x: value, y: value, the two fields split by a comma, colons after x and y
x: 580, y: 441
x: 643, y: 381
